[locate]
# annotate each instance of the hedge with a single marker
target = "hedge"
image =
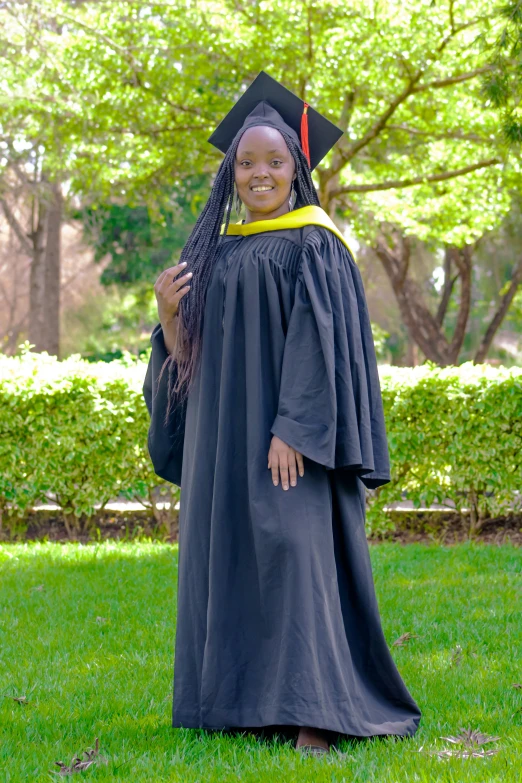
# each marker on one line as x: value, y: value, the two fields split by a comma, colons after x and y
x: 75, y: 432
x: 72, y: 432
x: 455, y: 436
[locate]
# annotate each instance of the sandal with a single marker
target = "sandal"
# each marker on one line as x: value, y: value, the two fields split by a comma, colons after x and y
x: 312, y: 750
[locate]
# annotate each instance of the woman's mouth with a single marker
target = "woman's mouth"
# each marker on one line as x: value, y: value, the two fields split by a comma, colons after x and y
x: 261, y: 188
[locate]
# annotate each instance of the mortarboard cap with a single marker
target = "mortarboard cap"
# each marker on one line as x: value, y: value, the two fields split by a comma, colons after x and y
x: 267, y: 102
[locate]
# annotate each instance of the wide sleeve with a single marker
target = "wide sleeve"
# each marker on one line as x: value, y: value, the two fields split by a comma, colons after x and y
x: 164, y: 442
x: 330, y: 406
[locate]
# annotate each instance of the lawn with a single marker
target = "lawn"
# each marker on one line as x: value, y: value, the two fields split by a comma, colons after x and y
x: 87, y: 637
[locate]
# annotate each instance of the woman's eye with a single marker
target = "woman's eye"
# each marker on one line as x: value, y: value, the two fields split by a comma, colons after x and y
x: 245, y: 163
x: 277, y: 162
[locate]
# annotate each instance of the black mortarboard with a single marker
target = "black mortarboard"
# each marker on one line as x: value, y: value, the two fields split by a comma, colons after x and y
x: 267, y: 102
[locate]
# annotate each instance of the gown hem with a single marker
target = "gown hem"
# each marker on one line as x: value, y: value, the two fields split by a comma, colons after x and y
x: 395, y: 728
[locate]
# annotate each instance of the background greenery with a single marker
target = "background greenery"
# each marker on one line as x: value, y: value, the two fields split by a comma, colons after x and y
x: 106, y: 111
x: 76, y: 432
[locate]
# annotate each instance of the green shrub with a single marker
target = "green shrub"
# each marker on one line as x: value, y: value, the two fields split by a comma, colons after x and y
x: 72, y: 431
x: 76, y: 432
x: 455, y: 434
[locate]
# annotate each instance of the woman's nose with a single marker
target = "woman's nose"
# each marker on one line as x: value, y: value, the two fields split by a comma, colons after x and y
x: 260, y: 172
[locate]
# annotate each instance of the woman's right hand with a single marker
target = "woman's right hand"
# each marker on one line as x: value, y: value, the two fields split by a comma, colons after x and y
x: 169, y: 288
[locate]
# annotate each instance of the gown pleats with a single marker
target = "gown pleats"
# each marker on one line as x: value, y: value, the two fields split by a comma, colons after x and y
x: 277, y: 617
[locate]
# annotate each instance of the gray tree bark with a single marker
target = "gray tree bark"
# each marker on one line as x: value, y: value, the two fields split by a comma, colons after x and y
x: 52, y: 272
x: 42, y: 243
x: 37, y: 277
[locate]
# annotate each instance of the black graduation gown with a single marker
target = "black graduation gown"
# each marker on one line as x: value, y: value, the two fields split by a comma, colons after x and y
x: 277, y: 619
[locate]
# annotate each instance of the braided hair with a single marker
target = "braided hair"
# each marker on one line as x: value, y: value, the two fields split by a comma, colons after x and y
x: 200, y: 252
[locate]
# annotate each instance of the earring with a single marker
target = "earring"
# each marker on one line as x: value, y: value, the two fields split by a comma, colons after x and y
x: 293, y: 198
x: 239, y: 204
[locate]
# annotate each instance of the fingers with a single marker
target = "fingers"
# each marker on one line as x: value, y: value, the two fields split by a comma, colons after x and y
x: 292, y: 468
x: 283, y: 469
x: 284, y: 463
x: 171, y: 279
x: 170, y: 287
x: 166, y: 273
x: 179, y: 293
x: 274, y: 466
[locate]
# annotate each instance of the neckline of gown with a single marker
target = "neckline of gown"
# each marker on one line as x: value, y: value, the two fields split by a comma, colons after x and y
x: 297, y: 218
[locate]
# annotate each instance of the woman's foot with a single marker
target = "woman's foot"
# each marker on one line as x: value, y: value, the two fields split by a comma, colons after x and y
x: 316, y: 738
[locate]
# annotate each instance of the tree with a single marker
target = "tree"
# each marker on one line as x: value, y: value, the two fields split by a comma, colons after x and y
x: 141, y: 241
x: 29, y: 154
x: 142, y: 86
x: 502, y: 82
x: 39, y: 239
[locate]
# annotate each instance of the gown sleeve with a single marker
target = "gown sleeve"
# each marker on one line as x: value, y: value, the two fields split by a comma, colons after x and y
x: 330, y: 406
x: 165, y: 443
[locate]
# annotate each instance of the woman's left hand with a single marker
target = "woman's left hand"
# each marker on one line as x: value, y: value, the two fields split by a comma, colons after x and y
x: 283, y: 459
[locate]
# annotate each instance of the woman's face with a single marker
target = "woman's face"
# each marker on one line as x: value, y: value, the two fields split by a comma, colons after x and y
x: 264, y: 171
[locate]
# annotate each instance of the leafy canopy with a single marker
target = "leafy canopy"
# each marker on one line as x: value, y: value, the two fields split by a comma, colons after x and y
x: 122, y: 96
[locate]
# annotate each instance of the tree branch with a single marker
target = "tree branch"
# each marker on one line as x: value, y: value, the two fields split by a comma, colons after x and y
x: 411, y: 88
x: 452, y: 15
x: 450, y: 80
x: 378, y: 126
x: 97, y: 33
x: 16, y: 227
x: 449, y: 282
x: 24, y: 180
x: 449, y: 134
x: 462, y: 257
x: 347, y: 110
x: 157, y: 131
x: 499, y: 316
x: 420, y: 323
x: 407, y: 183
x: 36, y: 39
x: 342, y: 148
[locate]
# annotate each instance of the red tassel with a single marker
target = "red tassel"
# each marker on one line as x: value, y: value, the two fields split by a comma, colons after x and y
x: 304, y: 133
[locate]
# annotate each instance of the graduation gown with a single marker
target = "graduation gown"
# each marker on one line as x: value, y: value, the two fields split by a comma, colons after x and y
x: 277, y: 618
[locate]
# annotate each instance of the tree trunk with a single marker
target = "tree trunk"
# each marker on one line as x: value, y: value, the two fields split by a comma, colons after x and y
x: 52, y: 274
x: 37, y: 280
x: 449, y: 282
x: 500, y: 314
x: 412, y: 353
x: 422, y: 326
x: 462, y: 258
x: 425, y: 329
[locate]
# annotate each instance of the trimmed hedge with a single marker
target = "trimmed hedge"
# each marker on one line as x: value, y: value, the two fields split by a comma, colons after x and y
x: 76, y: 432
x: 72, y: 432
x: 455, y: 434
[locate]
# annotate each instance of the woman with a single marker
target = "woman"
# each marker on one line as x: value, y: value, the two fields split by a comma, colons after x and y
x: 280, y: 430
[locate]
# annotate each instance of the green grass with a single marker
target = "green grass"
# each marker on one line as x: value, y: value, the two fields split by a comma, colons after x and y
x: 111, y: 678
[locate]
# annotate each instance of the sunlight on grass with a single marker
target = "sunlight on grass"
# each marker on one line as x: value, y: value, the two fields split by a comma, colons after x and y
x: 87, y: 637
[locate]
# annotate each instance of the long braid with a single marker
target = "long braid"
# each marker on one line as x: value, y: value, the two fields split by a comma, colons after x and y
x: 304, y: 186
x: 200, y: 252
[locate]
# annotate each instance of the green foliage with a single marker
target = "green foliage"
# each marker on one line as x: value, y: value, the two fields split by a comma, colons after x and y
x: 79, y: 430
x: 127, y: 94
x: 103, y: 327
x: 142, y: 242
x: 71, y: 430
x: 455, y: 434
x: 379, y: 338
x: 502, y: 82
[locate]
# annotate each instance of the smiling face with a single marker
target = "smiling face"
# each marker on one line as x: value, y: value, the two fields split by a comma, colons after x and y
x: 264, y: 171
